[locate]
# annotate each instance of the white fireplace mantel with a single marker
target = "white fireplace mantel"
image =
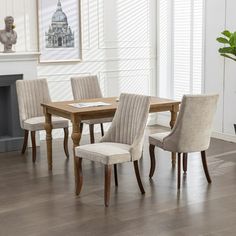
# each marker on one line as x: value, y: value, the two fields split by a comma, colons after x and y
x: 19, y: 63
x: 19, y: 56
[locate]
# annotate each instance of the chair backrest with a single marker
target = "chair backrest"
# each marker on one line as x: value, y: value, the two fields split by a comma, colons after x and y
x: 192, y: 130
x: 129, y: 122
x: 86, y: 87
x: 30, y: 94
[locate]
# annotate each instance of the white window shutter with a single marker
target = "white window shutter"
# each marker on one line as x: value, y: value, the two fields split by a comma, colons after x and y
x: 182, y: 21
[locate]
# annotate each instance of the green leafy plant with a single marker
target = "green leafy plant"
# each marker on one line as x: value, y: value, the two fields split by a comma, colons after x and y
x: 229, y: 40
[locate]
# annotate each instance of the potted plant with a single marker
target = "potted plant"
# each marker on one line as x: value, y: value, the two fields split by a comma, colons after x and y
x: 229, y: 40
x: 229, y: 49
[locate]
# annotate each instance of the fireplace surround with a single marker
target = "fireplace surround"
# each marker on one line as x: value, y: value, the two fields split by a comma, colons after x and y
x: 13, y: 66
x: 11, y: 134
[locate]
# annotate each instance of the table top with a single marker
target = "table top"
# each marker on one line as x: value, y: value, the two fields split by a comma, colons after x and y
x: 157, y: 104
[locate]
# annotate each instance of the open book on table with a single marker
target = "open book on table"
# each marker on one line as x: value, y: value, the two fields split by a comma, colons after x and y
x: 89, y: 104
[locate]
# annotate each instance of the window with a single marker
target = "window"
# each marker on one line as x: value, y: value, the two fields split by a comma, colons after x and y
x: 180, y: 47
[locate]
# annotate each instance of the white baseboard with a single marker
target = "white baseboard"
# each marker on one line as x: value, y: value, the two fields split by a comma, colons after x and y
x: 225, y: 137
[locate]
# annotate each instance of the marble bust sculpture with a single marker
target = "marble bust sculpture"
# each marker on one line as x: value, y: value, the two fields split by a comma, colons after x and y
x: 8, y: 36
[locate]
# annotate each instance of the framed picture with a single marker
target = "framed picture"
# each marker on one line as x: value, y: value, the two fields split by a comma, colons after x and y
x: 59, y: 30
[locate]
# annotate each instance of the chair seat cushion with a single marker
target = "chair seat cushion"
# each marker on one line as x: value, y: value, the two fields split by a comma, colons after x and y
x: 106, y: 153
x: 157, y: 139
x: 97, y: 121
x: 37, y: 123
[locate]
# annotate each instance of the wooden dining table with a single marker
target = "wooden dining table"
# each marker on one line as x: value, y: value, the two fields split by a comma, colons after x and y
x: 77, y: 115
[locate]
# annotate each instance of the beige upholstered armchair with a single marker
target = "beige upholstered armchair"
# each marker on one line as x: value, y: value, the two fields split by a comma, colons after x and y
x: 122, y: 143
x: 87, y: 87
x: 191, y: 133
x: 31, y: 93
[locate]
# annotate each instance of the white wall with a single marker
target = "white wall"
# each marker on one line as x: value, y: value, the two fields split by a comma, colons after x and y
x: 118, y: 41
x: 220, y: 73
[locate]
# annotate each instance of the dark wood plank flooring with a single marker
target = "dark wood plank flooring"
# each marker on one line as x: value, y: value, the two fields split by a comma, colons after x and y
x: 34, y: 201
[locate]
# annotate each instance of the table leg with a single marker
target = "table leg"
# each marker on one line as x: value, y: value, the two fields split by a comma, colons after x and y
x: 48, y: 128
x: 76, y: 136
x: 173, y: 111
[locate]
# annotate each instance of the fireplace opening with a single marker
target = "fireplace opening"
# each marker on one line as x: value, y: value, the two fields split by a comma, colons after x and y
x: 5, y: 123
x: 11, y: 134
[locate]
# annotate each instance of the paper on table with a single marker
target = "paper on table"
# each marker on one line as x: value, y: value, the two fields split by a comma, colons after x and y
x: 89, y: 104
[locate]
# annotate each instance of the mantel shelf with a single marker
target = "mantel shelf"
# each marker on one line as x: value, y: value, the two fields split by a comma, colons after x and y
x: 19, y: 56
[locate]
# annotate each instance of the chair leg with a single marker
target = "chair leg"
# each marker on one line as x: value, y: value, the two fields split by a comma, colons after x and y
x: 204, y: 163
x: 138, y: 177
x: 107, y: 184
x: 173, y: 159
x: 26, y: 134
x: 153, y: 161
x: 91, y: 131
x: 102, y: 129
x: 179, y: 171
x: 115, y: 174
x: 81, y: 127
x: 185, y: 162
x: 79, y: 175
x: 66, y: 134
x: 33, y: 146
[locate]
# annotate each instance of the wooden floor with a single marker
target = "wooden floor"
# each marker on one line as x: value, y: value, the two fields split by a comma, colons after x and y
x: 34, y: 201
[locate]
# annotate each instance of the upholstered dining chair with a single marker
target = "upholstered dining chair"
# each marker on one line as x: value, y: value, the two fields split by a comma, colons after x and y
x: 122, y: 143
x: 30, y: 94
x: 86, y: 87
x: 191, y: 132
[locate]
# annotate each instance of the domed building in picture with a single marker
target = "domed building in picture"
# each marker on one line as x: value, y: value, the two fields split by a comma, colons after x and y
x: 59, y: 34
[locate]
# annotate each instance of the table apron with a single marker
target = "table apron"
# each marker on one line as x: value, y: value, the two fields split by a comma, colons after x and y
x: 102, y: 114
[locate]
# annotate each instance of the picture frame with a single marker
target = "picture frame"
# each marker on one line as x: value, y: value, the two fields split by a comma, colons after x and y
x: 59, y: 31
